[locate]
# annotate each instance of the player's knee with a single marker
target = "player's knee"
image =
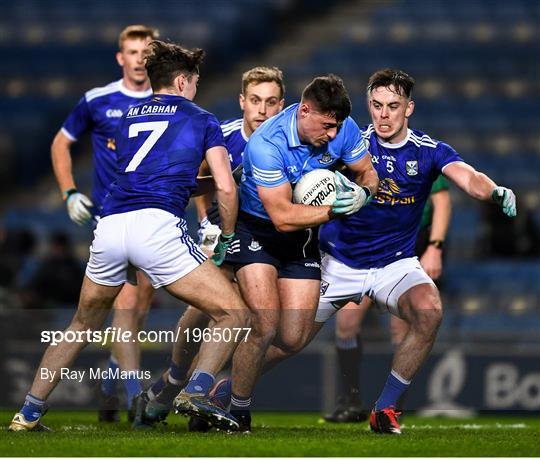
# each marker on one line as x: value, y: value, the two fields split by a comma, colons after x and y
x: 293, y: 346
x: 427, y: 314
x: 346, y: 331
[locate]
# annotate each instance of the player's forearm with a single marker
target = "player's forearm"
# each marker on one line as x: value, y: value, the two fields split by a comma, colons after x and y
x: 480, y: 186
x: 442, y: 211
x: 299, y: 216
x: 61, y: 162
x: 203, y: 202
x: 370, y: 180
x: 228, y: 208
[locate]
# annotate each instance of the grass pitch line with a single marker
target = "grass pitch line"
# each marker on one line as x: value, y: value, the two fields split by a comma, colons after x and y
x: 466, y: 426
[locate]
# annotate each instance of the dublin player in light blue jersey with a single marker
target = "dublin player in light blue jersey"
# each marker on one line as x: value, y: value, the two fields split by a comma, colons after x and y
x: 373, y: 251
x: 99, y: 112
x: 275, y: 254
x: 262, y: 97
x: 161, y: 144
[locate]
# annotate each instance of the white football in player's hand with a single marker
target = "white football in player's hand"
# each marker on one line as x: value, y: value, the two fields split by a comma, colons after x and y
x: 316, y: 188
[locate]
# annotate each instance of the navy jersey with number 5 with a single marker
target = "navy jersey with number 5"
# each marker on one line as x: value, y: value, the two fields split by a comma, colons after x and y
x: 160, y: 146
x: 385, y: 230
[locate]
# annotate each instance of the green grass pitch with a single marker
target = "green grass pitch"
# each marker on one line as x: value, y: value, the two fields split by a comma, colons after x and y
x: 276, y: 434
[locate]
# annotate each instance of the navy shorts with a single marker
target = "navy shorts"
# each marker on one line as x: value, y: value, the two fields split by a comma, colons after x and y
x: 295, y: 255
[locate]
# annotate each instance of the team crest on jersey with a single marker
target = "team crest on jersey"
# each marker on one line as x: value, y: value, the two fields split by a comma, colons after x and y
x: 388, y: 186
x: 412, y: 167
x: 254, y: 246
x: 324, y: 287
x: 111, y: 144
x: 326, y: 158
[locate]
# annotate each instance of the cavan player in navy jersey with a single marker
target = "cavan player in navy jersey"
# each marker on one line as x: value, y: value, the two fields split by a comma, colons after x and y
x: 99, y: 112
x: 261, y: 98
x: 161, y: 144
x: 373, y: 251
x: 275, y: 254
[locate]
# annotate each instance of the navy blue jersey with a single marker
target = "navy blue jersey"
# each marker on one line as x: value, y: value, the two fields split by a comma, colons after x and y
x: 385, y: 230
x: 160, y: 146
x: 99, y: 111
x: 275, y: 155
x: 235, y: 140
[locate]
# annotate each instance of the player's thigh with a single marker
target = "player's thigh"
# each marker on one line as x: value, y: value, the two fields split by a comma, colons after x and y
x: 95, y: 302
x: 207, y: 289
x: 394, y: 284
x: 299, y: 299
x: 259, y: 289
x: 145, y: 292
x: 349, y: 318
x: 421, y: 306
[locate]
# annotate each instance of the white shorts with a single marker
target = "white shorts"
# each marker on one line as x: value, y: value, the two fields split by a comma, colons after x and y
x: 152, y: 240
x: 341, y: 284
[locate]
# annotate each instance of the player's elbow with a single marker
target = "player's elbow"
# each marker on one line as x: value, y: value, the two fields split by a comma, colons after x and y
x: 227, y: 188
x: 284, y: 227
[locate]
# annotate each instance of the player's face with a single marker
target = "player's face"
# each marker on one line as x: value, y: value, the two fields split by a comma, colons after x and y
x: 389, y: 114
x: 315, y: 128
x: 260, y: 102
x: 131, y: 59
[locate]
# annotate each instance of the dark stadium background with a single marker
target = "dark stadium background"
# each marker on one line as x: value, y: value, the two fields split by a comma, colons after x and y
x: 478, y: 85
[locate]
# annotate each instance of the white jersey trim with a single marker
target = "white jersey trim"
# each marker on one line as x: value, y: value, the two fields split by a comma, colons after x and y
x: 68, y: 134
x: 116, y: 86
x: 267, y: 175
x: 229, y: 128
x: 446, y: 165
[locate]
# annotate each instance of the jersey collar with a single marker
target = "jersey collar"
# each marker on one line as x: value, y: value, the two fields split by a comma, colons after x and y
x: 131, y: 93
x: 243, y: 132
x: 394, y: 145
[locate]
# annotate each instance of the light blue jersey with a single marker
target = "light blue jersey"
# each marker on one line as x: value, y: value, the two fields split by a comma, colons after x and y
x: 385, y: 230
x: 99, y: 111
x: 275, y: 155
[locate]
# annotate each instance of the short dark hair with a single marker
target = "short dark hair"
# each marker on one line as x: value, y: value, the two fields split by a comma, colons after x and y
x: 167, y: 60
x: 329, y: 94
x: 402, y: 82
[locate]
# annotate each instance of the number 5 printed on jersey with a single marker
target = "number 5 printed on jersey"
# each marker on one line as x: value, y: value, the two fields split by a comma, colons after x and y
x: 157, y: 128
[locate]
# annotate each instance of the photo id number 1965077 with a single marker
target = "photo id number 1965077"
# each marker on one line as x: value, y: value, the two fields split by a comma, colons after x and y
x: 216, y: 334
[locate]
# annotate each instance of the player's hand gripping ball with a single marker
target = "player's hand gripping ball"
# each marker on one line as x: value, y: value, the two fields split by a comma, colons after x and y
x: 316, y: 188
x: 350, y: 197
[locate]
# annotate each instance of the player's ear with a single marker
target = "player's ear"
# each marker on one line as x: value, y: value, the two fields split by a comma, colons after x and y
x: 180, y: 83
x: 120, y: 58
x: 281, y: 104
x: 241, y: 101
x: 410, y: 108
x: 304, y: 110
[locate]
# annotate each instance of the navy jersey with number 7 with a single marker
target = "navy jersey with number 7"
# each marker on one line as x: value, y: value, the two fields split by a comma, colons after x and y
x: 160, y: 146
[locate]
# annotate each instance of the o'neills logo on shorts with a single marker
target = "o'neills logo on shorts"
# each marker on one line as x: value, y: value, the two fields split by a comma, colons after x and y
x: 313, y: 264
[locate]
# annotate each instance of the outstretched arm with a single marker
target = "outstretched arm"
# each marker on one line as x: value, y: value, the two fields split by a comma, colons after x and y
x: 480, y: 186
